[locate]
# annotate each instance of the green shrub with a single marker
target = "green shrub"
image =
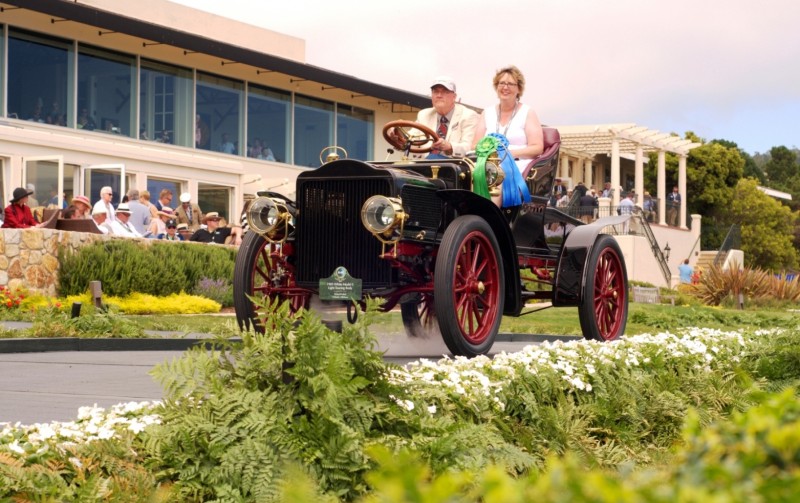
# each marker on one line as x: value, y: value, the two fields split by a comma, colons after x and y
x: 124, y: 267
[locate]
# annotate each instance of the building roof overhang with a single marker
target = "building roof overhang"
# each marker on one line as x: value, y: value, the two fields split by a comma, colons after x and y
x: 159, y: 33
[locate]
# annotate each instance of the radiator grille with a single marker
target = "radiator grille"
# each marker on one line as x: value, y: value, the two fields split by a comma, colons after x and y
x: 330, y: 234
x: 424, y: 209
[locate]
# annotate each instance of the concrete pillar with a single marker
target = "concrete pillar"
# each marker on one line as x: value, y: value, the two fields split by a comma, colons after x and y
x: 682, y: 189
x: 615, y: 171
x: 588, y: 179
x: 662, y: 189
x: 639, y: 175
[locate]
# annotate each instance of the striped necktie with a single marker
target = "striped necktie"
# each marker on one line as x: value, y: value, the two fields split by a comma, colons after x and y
x: 441, y: 131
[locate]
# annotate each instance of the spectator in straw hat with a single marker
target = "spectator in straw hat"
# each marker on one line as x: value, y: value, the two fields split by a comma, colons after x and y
x: 17, y: 214
x: 183, y: 230
x: 158, y: 225
x: 122, y: 225
x: 83, y: 206
x: 213, y: 233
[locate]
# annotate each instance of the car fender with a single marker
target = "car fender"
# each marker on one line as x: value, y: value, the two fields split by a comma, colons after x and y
x: 571, y: 269
x: 469, y: 203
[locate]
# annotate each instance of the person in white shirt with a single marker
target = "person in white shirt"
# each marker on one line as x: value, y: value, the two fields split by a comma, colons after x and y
x: 99, y: 216
x: 106, y: 194
x: 122, y: 225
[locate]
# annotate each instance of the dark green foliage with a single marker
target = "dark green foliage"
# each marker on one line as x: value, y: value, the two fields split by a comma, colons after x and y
x: 125, y: 267
x: 300, y: 395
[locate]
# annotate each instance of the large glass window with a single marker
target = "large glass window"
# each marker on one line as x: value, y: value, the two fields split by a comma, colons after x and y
x: 268, y: 122
x: 313, y: 129
x: 215, y: 198
x: 219, y: 111
x: 156, y: 185
x: 106, y: 91
x: 39, y: 78
x: 354, y: 131
x: 165, y: 104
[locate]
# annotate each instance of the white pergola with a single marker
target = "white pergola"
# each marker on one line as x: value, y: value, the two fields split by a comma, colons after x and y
x: 584, y: 142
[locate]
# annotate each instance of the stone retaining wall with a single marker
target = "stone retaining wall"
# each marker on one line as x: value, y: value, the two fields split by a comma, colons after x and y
x: 29, y: 257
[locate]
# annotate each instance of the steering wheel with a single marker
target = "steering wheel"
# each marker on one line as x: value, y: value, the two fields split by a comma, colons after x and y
x: 404, y: 140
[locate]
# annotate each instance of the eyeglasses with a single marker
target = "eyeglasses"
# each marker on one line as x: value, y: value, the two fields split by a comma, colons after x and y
x: 506, y: 84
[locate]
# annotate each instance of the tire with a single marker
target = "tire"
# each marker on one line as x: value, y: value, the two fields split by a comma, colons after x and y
x: 469, y: 286
x: 604, y: 306
x: 258, y: 274
x: 419, y: 317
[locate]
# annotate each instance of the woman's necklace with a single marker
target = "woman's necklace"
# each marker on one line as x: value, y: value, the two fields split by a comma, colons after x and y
x: 508, y: 124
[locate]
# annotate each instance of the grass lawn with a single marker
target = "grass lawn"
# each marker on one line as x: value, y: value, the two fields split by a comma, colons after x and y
x: 642, y: 318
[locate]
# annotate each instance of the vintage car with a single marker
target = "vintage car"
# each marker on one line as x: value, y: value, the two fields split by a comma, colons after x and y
x: 419, y: 234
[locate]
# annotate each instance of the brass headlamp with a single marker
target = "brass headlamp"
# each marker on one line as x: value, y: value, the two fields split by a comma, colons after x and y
x: 384, y: 217
x: 271, y: 218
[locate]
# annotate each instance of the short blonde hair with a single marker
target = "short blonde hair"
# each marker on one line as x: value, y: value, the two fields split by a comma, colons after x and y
x: 515, y: 74
x: 145, y: 194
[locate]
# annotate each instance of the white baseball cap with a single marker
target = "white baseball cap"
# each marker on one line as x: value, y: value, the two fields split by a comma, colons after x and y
x: 186, y: 197
x: 445, y: 82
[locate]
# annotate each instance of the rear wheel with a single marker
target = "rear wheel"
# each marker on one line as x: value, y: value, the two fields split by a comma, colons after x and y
x: 469, y: 286
x: 604, y: 308
x: 419, y: 317
x: 262, y: 272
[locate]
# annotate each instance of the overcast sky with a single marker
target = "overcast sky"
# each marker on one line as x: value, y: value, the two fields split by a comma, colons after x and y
x: 725, y: 69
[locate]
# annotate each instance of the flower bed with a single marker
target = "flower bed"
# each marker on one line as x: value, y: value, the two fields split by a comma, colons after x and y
x: 612, y: 403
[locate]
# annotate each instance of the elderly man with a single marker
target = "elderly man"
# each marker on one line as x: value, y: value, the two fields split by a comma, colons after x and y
x: 122, y: 226
x: 453, y: 122
x: 213, y: 233
x: 140, y: 213
x: 106, y: 194
x: 188, y: 213
x: 100, y: 218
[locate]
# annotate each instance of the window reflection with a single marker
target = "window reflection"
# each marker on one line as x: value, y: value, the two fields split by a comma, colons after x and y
x: 217, y: 124
x: 313, y: 129
x: 38, y: 76
x: 105, y: 88
x: 165, y: 104
x: 215, y: 198
x: 268, y: 121
x: 354, y: 126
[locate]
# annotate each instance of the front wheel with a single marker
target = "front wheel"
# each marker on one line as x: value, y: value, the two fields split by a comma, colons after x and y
x: 604, y: 308
x: 261, y: 271
x: 469, y: 286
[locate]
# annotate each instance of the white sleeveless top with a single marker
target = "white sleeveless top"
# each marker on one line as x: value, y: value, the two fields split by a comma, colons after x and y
x: 514, y: 131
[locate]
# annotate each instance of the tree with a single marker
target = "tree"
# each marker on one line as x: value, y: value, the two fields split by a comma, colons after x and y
x: 782, y: 167
x: 712, y: 172
x: 767, y: 227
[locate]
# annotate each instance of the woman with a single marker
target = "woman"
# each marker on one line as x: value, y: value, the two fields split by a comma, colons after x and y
x: 17, y: 214
x: 158, y: 226
x: 83, y: 207
x: 511, y: 118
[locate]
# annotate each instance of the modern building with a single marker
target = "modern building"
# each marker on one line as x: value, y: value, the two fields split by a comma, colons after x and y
x: 155, y: 95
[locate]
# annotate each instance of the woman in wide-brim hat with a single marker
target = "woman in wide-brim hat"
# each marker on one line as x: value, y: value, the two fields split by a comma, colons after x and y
x: 83, y: 206
x: 17, y: 214
x: 158, y: 225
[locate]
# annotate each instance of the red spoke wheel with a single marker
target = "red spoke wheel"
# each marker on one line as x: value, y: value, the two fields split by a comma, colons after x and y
x: 469, y: 286
x: 260, y: 271
x: 604, y: 308
x: 419, y: 316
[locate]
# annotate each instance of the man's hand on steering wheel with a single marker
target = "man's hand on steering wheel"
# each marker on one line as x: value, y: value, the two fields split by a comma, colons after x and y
x: 397, y: 133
